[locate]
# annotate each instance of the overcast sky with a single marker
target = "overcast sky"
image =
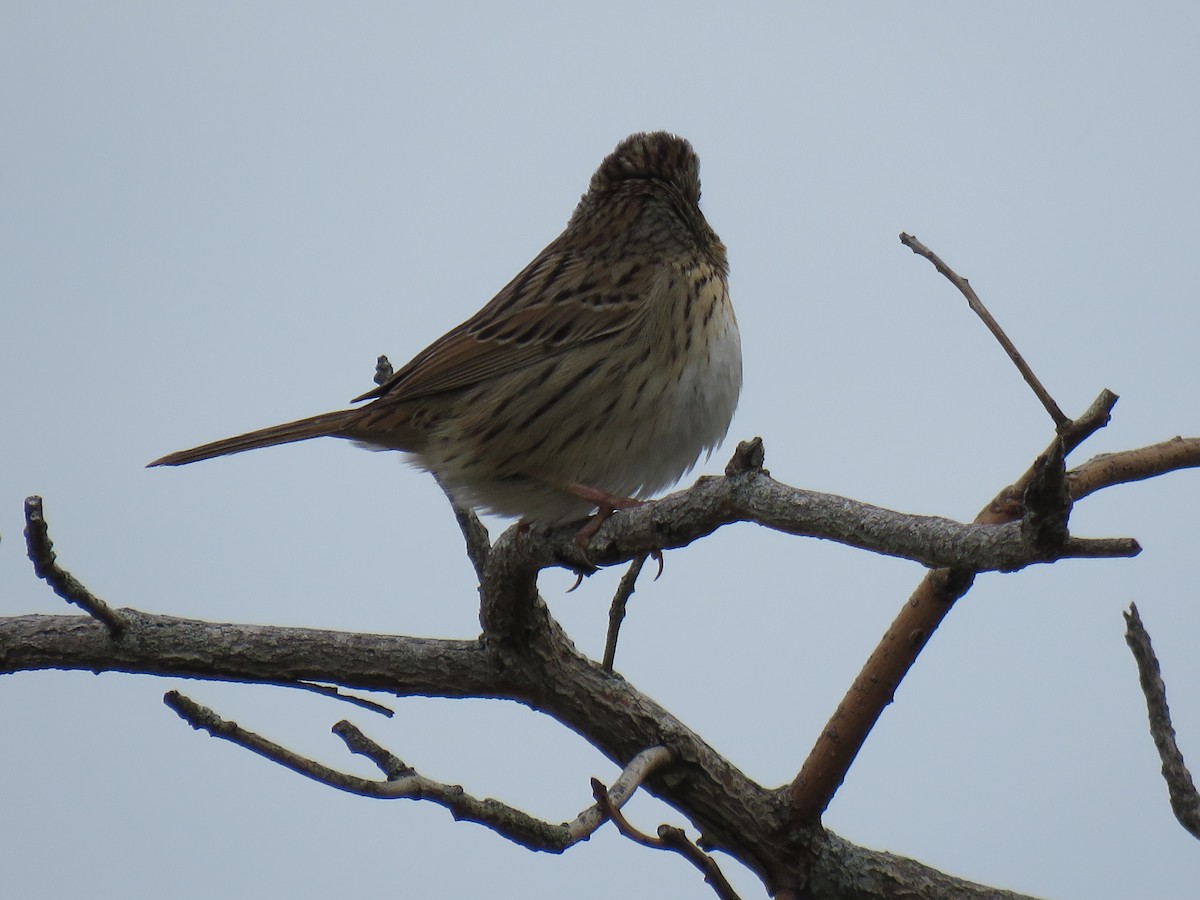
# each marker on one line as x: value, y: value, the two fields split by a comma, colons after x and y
x: 214, y: 217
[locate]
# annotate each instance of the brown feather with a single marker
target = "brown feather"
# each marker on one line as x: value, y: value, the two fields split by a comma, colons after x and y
x: 335, y: 424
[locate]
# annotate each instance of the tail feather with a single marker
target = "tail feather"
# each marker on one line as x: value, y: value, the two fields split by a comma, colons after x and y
x: 334, y: 424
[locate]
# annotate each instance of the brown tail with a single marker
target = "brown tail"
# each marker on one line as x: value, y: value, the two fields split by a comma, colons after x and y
x: 332, y: 424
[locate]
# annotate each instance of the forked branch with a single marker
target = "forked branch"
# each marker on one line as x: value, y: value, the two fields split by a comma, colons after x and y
x: 669, y: 838
x: 404, y: 782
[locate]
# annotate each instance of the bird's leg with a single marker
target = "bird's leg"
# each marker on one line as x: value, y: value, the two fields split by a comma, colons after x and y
x: 606, y: 505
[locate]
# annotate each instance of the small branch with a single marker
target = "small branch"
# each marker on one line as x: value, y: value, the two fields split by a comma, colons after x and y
x: 669, y: 838
x: 1060, y: 419
x: 1185, y: 801
x: 641, y: 767
x: 328, y: 690
x: 479, y: 542
x: 383, y: 370
x: 510, y: 822
x: 392, y: 766
x: 404, y: 782
x: 63, y: 583
x: 616, y: 613
x: 1093, y: 419
x: 748, y: 457
x: 1008, y: 505
x: 1110, y: 469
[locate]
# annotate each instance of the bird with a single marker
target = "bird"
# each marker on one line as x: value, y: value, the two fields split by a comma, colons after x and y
x: 593, y: 380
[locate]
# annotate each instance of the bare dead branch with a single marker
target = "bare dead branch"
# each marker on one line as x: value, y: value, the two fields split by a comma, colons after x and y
x: 885, y: 876
x: 873, y: 689
x: 62, y: 582
x: 748, y: 457
x: 753, y: 496
x: 383, y: 369
x: 392, y: 766
x: 507, y: 821
x: 1047, y: 502
x: 1093, y: 419
x: 1110, y: 469
x: 276, y: 655
x: 404, y: 782
x: 1185, y: 801
x: 616, y: 612
x: 1060, y: 419
x: 641, y: 767
x: 1009, y: 504
x: 669, y: 838
x: 329, y: 690
x: 517, y: 662
x: 475, y: 534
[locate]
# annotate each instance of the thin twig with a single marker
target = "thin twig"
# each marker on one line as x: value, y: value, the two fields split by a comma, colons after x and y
x: 1185, y: 801
x: 616, y: 613
x: 475, y: 533
x: 328, y: 690
x: 1060, y: 419
x: 66, y: 585
x: 669, y: 838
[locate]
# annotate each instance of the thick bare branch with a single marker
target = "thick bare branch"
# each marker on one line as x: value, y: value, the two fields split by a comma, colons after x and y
x: 753, y: 496
x: 189, y: 648
x: 835, y: 749
x: 1185, y: 801
x: 885, y: 876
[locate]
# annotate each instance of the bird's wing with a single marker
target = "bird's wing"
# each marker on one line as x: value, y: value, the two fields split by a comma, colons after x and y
x: 560, y: 300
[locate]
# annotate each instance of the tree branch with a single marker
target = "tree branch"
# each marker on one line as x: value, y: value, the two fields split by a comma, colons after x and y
x: 524, y: 655
x: 1060, y: 419
x: 475, y: 534
x: 616, y: 612
x: 669, y: 838
x: 753, y: 496
x: 404, y: 782
x: 508, y: 821
x: 1185, y: 801
x: 873, y: 689
x: 257, y: 654
x: 1110, y: 469
x: 62, y: 582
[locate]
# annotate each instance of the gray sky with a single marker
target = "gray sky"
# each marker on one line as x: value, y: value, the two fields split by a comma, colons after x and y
x: 215, y: 217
